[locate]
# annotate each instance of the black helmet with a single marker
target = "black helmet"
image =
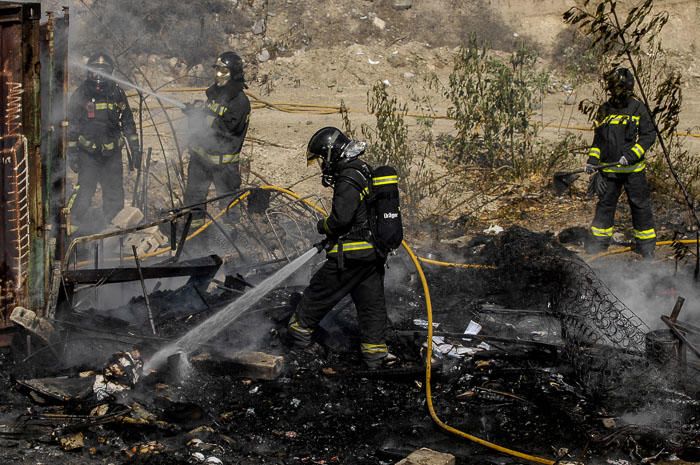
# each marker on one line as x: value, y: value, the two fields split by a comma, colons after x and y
x: 330, y: 146
x: 101, y: 64
x: 229, y: 67
x: 619, y: 83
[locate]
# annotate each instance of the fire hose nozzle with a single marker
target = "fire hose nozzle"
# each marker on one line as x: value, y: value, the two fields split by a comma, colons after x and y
x: 325, y: 244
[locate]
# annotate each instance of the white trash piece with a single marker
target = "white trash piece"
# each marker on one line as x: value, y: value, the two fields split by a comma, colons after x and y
x: 473, y: 328
x: 493, y: 230
x: 424, y: 323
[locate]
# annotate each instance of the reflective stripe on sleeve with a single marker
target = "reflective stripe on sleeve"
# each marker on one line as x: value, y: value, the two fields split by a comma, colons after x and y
x: 364, y: 193
x: 638, y: 150
x: 594, y: 152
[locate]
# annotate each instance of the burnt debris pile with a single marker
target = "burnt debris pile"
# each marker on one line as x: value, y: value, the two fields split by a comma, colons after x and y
x: 536, y: 354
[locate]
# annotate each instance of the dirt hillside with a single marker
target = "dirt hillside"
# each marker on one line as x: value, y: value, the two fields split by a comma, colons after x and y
x: 324, y: 53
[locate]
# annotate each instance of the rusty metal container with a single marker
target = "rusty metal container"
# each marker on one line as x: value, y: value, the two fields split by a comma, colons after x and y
x: 662, y: 346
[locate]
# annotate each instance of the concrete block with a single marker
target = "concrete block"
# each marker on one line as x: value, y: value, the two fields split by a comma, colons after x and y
x: 146, y: 240
x: 379, y: 23
x: 426, y: 456
x: 255, y: 365
x: 128, y: 217
x: 31, y: 322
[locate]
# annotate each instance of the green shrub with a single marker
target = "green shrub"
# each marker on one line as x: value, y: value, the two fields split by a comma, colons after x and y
x: 492, y: 103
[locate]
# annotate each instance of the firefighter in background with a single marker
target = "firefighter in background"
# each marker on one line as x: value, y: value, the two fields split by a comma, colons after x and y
x: 624, y: 132
x: 217, y: 134
x: 353, y: 266
x: 99, y: 119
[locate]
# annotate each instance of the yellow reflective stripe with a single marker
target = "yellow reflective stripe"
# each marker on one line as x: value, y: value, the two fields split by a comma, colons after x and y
x: 296, y: 327
x: 373, y: 348
x: 627, y: 169
x: 602, y: 232
x: 594, y: 152
x: 133, y: 137
x: 86, y: 143
x: 352, y: 247
x: 218, y: 109
x: 645, y: 235
x: 105, y: 106
x: 226, y: 158
x: 93, y: 146
x: 618, y: 119
x: 364, y: 193
x: 72, y: 143
x: 638, y: 150
x: 384, y: 180
x: 73, y: 196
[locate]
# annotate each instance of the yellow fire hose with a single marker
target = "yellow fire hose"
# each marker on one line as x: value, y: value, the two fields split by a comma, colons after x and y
x: 429, y: 308
x: 629, y: 249
x: 428, y: 388
x: 292, y: 107
x: 430, y: 261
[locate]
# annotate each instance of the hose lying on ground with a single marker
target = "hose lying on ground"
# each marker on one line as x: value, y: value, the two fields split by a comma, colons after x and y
x: 629, y: 249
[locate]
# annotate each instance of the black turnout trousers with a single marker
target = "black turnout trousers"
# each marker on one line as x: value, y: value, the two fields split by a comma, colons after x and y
x: 363, y: 280
x: 639, y: 198
x: 104, y: 169
x: 201, y: 173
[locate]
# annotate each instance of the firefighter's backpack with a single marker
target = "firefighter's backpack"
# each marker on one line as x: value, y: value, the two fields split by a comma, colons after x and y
x: 385, y: 210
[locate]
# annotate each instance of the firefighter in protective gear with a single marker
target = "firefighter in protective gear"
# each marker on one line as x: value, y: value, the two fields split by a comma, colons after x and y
x: 99, y: 119
x: 624, y: 132
x: 217, y: 134
x: 353, y: 266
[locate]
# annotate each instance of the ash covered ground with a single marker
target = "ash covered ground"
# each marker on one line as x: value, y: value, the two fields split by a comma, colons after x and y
x: 518, y: 382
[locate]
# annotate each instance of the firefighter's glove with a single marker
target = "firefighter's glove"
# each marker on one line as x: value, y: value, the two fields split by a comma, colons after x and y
x: 191, y: 109
x: 589, y: 168
x: 321, y: 226
x: 623, y: 161
x: 323, y: 245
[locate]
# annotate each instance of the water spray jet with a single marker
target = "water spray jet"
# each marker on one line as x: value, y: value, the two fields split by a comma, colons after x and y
x: 126, y: 83
x: 215, y: 324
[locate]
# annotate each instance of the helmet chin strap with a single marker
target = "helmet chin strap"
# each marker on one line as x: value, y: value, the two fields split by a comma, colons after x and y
x: 327, y: 167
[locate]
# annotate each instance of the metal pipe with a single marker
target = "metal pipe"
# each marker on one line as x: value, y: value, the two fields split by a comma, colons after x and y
x: 143, y: 288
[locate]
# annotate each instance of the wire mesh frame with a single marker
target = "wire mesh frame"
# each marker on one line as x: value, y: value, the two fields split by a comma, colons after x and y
x: 297, y: 206
x: 591, y: 314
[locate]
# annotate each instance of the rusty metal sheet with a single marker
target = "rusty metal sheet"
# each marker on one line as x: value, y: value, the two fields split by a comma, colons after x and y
x: 21, y: 217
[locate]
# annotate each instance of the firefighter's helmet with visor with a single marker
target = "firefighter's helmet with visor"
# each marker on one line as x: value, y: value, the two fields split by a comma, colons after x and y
x: 100, y: 67
x: 328, y: 147
x: 228, y: 67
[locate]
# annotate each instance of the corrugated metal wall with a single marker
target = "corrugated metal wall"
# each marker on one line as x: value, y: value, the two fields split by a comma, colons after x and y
x: 30, y: 179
